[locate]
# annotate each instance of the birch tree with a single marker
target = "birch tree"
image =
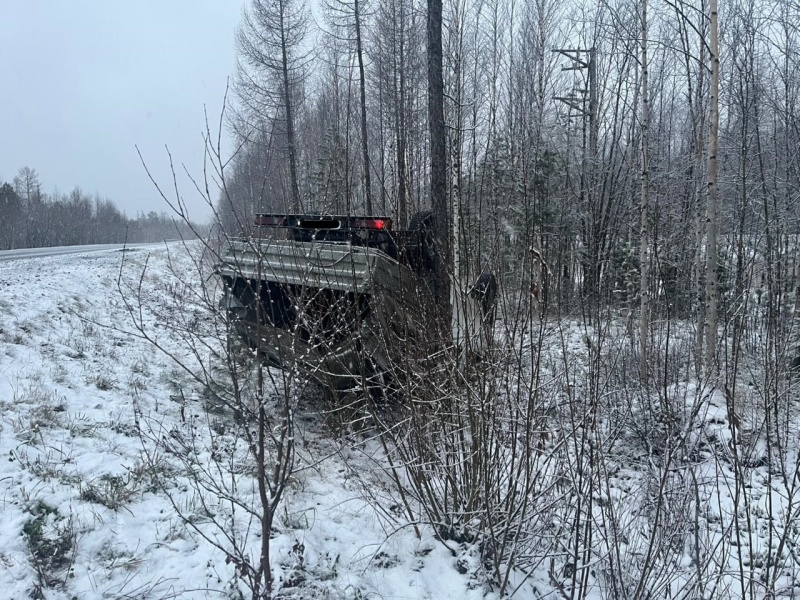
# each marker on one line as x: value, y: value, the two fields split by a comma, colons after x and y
x: 711, y: 217
x: 644, y: 257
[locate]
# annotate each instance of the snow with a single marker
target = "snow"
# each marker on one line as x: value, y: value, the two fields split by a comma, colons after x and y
x: 83, y: 395
x: 71, y: 373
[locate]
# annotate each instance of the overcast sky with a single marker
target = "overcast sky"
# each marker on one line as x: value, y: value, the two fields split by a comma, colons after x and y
x: 82, y: 82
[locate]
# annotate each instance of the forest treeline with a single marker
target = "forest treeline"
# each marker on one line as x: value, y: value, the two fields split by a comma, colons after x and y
x: 30, y: 218
x: 545, y: 149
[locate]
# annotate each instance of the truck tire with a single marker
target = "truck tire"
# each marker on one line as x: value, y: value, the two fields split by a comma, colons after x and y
x: 424, y: 256
x: 485, y: 290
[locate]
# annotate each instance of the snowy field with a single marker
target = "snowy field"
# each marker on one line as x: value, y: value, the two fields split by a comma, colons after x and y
x: 624, y: 503
x: 81, y: 515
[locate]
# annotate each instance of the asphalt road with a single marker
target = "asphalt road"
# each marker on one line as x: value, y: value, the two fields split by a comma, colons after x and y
x: 61, y: 250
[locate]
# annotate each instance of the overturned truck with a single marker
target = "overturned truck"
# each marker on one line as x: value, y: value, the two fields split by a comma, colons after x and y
x: 340, y: 298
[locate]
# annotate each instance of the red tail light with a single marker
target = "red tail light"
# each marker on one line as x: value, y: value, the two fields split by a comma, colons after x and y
x: 381, y: 224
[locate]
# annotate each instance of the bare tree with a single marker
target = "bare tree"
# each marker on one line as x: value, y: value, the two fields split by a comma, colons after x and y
x: 347, y: 19
x: 392, y: 47
x: 362, y: 89
x: 270, y: 41
x: 237, y: 468
x: 644, y: 255
x: 712, y: 297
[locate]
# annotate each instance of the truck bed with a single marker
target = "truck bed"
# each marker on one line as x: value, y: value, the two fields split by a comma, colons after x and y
x: 317, y: 264
x: 339, y: 310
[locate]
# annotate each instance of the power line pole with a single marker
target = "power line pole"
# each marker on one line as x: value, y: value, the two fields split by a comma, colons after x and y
x: 584, y: 102
x: 579, y: 102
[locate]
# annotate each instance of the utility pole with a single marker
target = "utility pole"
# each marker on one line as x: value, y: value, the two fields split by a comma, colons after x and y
x: 578, y: 103
x: 584, y: 102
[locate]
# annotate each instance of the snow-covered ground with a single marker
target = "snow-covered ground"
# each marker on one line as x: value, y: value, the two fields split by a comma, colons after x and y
x: 81, y: 515
x: 634, y: 492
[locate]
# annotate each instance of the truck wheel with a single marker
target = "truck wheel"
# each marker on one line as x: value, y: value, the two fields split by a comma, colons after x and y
x: 424, y: 256
x: 380, y: 382
x: 485, y: 290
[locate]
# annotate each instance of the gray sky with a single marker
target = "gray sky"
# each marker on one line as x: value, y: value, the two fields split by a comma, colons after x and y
x: 84, y: 81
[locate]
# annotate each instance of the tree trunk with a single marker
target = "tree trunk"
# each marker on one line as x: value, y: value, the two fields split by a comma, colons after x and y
x: 399, y: 77
x: 363, y: 93
x: 711, y: 215
x: 438, y: 157
x: 461, y: 274
x: 287, y: 101
x: 644, y: 257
